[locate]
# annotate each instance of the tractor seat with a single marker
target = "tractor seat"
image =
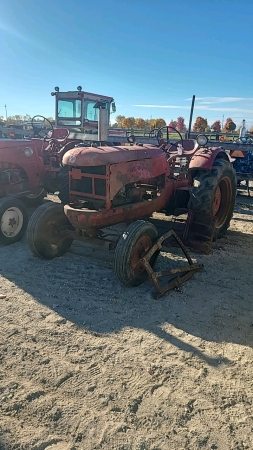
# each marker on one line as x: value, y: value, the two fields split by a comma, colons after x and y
x: 60, y: 134
x: 190, y: 146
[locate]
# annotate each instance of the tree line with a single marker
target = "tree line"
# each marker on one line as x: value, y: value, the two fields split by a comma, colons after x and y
x: 18, y: 119
x: 142, y: 124
x: 200, y: 125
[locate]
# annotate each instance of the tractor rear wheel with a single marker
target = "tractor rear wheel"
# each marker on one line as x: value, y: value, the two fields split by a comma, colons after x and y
x: 214, y: 192
x: 43, y: 231
x: 133, y: 244
x: 13, y: 220
x: 35, y: 198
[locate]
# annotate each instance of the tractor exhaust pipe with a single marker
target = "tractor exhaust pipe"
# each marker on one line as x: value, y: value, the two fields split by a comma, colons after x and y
x: 191, y: 114
x: 103, y: 121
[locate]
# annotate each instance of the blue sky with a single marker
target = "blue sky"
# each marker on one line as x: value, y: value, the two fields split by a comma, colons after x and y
x: 151, y: 56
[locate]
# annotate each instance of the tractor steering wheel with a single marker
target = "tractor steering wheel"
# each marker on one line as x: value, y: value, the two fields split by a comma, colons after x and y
x: 37, y: 129
x: 160, y: 136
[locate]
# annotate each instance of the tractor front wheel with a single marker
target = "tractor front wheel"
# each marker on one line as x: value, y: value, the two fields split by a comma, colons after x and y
x: 214, y: 192
x: 44, y: 231
x: 13, y: 220
x: 132, y: 246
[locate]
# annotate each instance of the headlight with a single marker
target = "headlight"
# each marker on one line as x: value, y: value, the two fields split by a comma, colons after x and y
x: 131, y: 139
x: 72, y: 159
x: 202, y: 140
x: 28, y: 152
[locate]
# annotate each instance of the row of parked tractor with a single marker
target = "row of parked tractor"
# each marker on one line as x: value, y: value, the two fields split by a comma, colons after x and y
x: 101, y: 185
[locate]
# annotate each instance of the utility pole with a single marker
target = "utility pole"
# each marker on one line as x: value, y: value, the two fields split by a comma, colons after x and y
x: 190, y: 121
x: 222, y: 122
x: 5, y: 106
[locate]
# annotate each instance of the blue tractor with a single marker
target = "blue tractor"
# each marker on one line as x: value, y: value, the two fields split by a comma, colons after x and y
x: 242, y: 161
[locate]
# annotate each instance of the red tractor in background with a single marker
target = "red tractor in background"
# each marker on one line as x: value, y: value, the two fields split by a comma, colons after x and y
x: 29, y: 168
x: 107, y: 185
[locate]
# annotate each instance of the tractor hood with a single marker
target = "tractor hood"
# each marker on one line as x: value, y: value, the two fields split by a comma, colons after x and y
x: 99, y: 156
x: 13, y: 143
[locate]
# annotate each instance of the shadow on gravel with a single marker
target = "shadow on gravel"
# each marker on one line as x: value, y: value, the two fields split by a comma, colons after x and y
x: 82, y: 288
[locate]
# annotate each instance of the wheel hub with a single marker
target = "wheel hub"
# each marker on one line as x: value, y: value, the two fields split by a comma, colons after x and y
x: 222, y: 200
x: 11, y: 222
x: 217, y: 201
x: 140, y: 250
x: 54, y: 231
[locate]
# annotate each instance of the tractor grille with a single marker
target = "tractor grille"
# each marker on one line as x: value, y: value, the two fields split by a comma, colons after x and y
x: 85, y: 186
x: 88, y: 181
x: 98, y: 170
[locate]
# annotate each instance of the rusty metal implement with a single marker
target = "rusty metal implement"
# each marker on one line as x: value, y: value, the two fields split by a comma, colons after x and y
x: 182, y: 273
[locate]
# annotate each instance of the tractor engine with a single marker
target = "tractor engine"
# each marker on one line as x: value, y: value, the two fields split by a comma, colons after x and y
x: 12, y: 179
x: 11, y: 174
x: 137, y: 192
x: 111, y: 177
x: 89, y: 190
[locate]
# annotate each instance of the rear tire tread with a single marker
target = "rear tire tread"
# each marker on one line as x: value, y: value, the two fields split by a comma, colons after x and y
x: 201, y: 197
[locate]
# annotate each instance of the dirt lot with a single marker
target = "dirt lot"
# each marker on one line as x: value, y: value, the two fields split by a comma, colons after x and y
x: 89, y: 364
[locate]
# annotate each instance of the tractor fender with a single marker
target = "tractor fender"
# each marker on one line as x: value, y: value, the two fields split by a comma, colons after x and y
x: 205, y: 157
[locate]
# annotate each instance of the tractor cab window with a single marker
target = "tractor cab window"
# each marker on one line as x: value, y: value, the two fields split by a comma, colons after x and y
x: 67, y: 110
x: 91, y: 113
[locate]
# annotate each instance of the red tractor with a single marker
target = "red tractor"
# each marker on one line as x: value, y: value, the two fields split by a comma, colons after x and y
x: 31, y: 167
x: 28, y: 169
x: 108, y: 185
